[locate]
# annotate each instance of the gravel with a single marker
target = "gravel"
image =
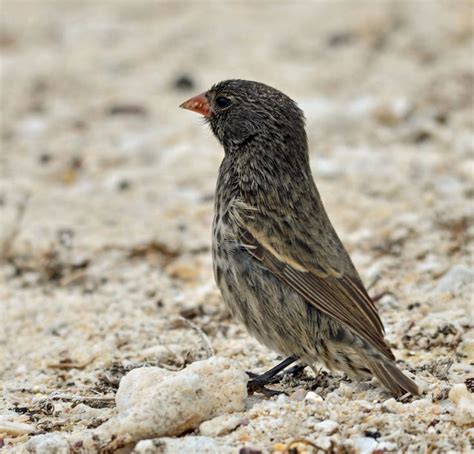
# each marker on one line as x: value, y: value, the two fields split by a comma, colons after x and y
x: 106, y: 198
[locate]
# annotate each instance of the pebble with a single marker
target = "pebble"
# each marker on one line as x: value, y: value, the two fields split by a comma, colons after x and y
x: 364, y: 404
x: 326, y: 168
x: 282, y: 399
x: 391, y: 405
x: 204, y: 445
x: 328, y: 426
x: 365, y: 445
x: 221, y: 425
x: 388, y: 301
x: 184, y: 82
x: 298, y: 395
x: 311, y: 396
x: 14, y: 428
x: 391, y: 113
x: 455, y: 278
x: 387, y: 446
x: 154, y: 402
x: 448, y: 185
x: 48, y: 443
x: 464, y: 404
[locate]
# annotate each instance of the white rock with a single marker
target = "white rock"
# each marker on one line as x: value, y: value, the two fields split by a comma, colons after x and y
x: 325, y: 443
x: 366, y: 405
x: 448, y: 184
x: 387, y: 446
x: 298, y: 395
x: 32, y: 126
x: 326, y: 168
x: 49, y: 443
x: 455, y: 278
x: 365, y: 444
x: 183, y: 445
x: 391, y: 405
x: 311, y: 396
x: 361, y: 107
x: 464, y: 402
x: 345, y: 390
x: 154, y: 402
x: 220, y: 426
x: 328, y: 426
x: 12, y: 427
x: 388, y: 301
x: 282, y: 399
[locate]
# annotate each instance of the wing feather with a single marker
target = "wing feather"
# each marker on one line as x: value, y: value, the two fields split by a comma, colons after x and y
x: 339, y: 296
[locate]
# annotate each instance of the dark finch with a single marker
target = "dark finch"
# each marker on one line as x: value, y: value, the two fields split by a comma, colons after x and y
x: 278, y: 262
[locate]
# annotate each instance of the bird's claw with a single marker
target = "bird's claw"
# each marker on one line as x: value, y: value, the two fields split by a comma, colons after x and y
x: 258, y: 382
x: 257, y: 386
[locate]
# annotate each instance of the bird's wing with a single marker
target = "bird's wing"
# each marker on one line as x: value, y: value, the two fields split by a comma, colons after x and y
x: 337, y: 295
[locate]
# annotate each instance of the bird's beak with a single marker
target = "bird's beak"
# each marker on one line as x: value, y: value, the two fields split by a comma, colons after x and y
x: 198, y: 104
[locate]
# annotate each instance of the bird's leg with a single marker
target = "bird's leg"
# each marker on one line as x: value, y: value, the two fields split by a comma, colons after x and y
x: 266, y: 377
x: 258, y: 382
x: 294, y: 371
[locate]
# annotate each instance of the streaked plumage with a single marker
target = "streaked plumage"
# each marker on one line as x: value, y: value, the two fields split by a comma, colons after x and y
x: 278, y: 262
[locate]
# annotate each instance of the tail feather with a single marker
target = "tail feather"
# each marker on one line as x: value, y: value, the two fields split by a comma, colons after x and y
x: 392, y: 377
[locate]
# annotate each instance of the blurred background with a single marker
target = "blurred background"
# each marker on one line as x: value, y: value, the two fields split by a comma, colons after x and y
x: 106, y: 186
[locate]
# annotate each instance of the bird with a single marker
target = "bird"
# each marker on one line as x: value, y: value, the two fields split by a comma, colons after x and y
x: 279, y: 264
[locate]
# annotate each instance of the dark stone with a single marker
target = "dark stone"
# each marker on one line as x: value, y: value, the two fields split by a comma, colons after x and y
x: 340, y: 39
x: 45, y: 158
x: 184, y: 82
x: 127, y: 109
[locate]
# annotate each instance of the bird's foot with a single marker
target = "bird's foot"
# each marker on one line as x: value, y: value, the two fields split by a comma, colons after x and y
x: 256, y: 386
x: 295, y: 371
x: 258, y: 382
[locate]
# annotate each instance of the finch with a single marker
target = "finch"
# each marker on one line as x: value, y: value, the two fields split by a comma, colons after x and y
x: 278, y: 262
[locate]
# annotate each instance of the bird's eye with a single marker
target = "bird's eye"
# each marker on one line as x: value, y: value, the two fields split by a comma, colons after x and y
x: 223, y: 102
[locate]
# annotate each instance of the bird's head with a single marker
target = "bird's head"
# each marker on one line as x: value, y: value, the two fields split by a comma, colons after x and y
x: 241, y: 111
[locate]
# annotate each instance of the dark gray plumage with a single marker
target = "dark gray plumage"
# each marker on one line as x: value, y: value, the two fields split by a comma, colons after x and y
x: 278, y: 262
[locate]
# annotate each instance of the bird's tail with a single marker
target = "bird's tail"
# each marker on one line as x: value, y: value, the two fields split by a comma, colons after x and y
x: 393, y: 379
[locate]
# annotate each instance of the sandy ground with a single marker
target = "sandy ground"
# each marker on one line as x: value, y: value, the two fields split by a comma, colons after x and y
x: 106, y: 197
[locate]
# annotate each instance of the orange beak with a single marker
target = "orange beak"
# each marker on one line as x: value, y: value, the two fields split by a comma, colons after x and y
x: 198, y: 104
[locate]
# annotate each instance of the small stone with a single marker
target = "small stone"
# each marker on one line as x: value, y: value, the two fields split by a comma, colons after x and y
x: 183, y: 269
x: 51, y: 443
x: 45, y: 158
x: 127, y: 109
x: 162, y: 354
x: 14, y: 428
x: 249, y: 450
x: 184, y: 82
x: 328, y: 426
x: 221, y: 425
x: 282, y: 399
x: 390, y: 114
x: 387, y: 446
x: 154, y: 402
x: 341, y: 38
x: 325, y: 443
x: 311, y: 396
x: 388, y: 301
x: 123, y: 185
x: 298, y: 395
x: 365, y: 445
x: 364, y: 404
x: 448, y: 184
x: 464, y: 402
x: 204, y: 445
x: 326, y: 168
x: 391, y: 405
x: 454, y: 279
x: 345, y: 390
